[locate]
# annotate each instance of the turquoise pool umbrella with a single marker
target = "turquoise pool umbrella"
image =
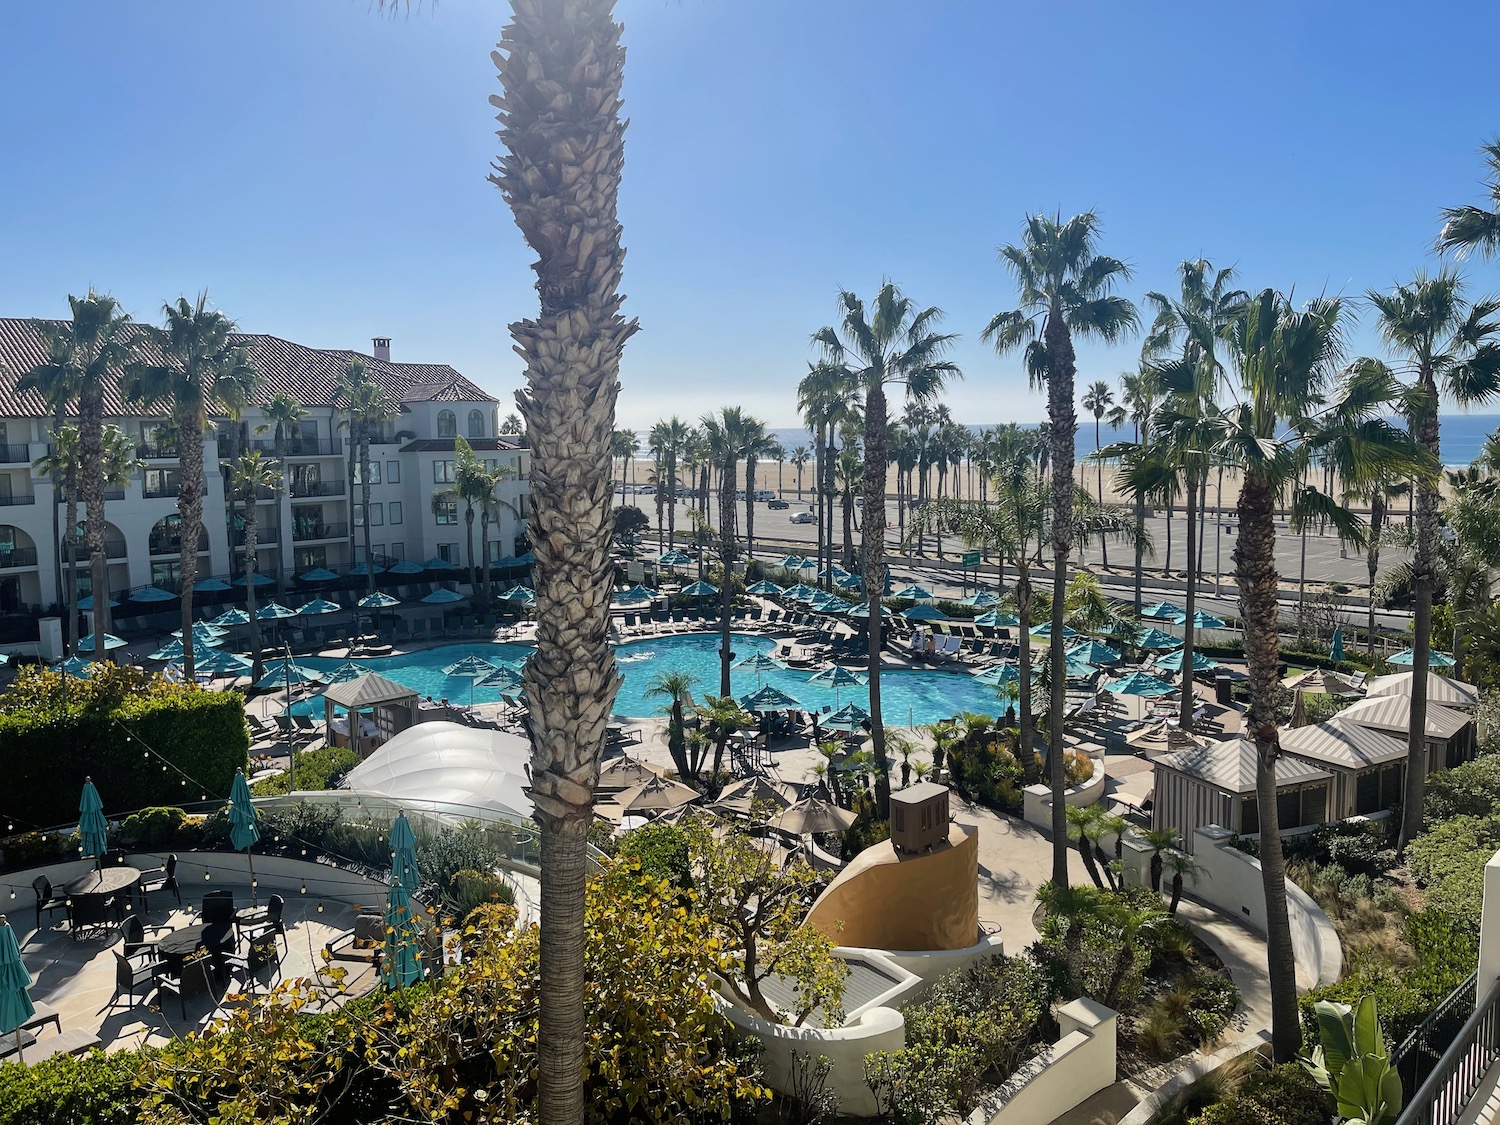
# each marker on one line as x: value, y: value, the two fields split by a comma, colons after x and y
x: 1045, y: 630
x: 848, y: 717
x: 406, y: 566
x: 1173, y: 662
x: 211, y: 586
x: 521, y: 595
x: 1075, y: 669
x: 837, y: 678
x: 835, y: 572
x: 88, y: 603
x: 924, y: 613
x: 801, y: 592
x: 318, y: 605
x: 700, y: 589
x: 317, y: 574
x: 378, y: 600
x: 503, y: 678
x: 244, y: 830
x: 761, y: 662
x: 259, y: 580
x: 765, y: 589
x: 769, y: 698
x: 1203, y: 620
x: 793, y: 562
x: 92, y: 827
x: 274, y: 611
x: 1336, y: 649
x: 981, y: 600
x: 436, y: 563
x: 997, y: 619
x: 224, y: 664
x: 675, y: 558
x: 400, y: 959
x: 364, y: 570
x: 1435, y: 659
x: 470, y: 668
x: 827, y: 603
x: 443, y: 596
x: 15, y: 1001
x: 154, y: 594
x: 1092, y: 652
x: 998, y: 675
x: 852, y: 582
x: 285, y: 672
x: 637, y: 594
x: 77, y: 667
x: 915, y: 593
x: 1152, y: 638
x: 348, y: 670
x: 111, y: 642
x: 862, y: 610
x: 1139, y: 683
x: 172, y: 650
x: 231, y: 616
x: 203, y: 633
x: 1165, y: 611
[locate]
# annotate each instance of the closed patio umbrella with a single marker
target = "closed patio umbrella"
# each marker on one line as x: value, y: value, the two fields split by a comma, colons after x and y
x: 15, y: 1001
x: 92, y: 827
x: 244, y: 829
x: 1336, y: 649
x: 814, y: 816
x: 400, y: 956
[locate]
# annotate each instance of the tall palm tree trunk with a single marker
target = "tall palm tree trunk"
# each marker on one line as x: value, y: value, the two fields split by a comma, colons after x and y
x: 364, y: 500
x: 750, y: 507
x: 1103, y: 539
x: 1064, y: 424
x: 190, y: 527
x: 279, y: 453
x: 1372, y: 565
x: 1255, y: 571
x: 1026, y: 741
x: 72, y: 591
x: 874, y: 563
x: 251, y: 546
x: 1140, y: 547
x: 468, y: 547
x: 1189, y: 699
x: 1202, y: 520
x: 726, y: 560
x: 353, y: 440
x: 1424, y: 582
x: 91, y: 484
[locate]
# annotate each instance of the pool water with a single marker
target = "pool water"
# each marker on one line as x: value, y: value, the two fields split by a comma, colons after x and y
x: 908, y: 697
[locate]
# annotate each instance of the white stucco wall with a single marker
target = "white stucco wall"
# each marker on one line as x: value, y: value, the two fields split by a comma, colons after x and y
x: 1036, y: 808
x: 1077, y: 1066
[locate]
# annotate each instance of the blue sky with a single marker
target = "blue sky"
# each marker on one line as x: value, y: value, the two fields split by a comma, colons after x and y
x: 320, y: 167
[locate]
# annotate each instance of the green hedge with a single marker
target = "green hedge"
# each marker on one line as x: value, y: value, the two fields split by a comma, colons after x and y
x: 92, y: 1089
x: 322, y: 768
x: 53, y: 736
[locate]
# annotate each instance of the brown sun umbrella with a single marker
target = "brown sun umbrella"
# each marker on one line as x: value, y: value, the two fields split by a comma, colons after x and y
x: 1320, y: 682
x: 813, y: 816
x: 744, y: 797
x: 1160, y: 738
x: 1299, y: 710
x: 656, y: 795
x: 624, y: 773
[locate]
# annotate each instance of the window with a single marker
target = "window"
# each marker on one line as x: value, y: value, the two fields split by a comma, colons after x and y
x: 446, y: 512
x: 166, y: 574
x: 161, y: 483
x: 447, y: 424
x: 521, y: 505
x: 377, y: 515
x: 395, y: 506
x: 309, y: 558
x: 448, y: 552
x: 378, y: 550
x: 476, y: 423
x: 398, y: 551
x: 393, y: 472
x: 374, y: 472
x: 359, y: 515
x: 442, y: 472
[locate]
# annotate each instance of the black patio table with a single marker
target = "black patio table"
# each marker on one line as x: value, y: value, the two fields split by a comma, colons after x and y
x: 175, y: 948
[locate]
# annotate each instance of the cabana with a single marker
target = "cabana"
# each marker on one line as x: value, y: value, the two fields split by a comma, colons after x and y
x: 1368, y: 766
x: 1440, y: 689
x: 1215, y: 784
x: 391, y: 708
x: 1451, y: 735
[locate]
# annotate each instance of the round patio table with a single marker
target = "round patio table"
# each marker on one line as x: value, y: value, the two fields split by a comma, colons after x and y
x: 175, y: 948
x: 104, y: 884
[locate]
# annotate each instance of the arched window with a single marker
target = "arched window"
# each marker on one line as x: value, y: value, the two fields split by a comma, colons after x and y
x: 447, y: 424
x: 476, y: 423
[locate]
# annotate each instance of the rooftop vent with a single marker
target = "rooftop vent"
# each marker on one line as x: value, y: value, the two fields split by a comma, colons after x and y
x: 383, y: 348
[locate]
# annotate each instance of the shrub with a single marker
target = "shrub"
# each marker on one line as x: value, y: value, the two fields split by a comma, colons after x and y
x: 152, y: 828
x: 468, y: 890
x: 303, y: 825
x: 32, y: 849
x: 1449, y: 858
x: 1282, y: 1095
x: 441, y: 855
x: 322, y: 768
x: 144, y: 740
x: 95, y: 1088
x: 1472, y: 789
x: 867, y: 829
x: 661, y: 850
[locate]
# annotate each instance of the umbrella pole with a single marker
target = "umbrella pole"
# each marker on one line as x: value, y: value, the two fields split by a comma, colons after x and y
x: 250, y: 863
x: 20, y: 1054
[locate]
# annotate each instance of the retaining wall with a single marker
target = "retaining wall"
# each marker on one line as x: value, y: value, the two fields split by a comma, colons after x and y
x: 1077, y: 1066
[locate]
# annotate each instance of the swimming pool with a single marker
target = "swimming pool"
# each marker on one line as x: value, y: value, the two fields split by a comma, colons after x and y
x: 908, y: 697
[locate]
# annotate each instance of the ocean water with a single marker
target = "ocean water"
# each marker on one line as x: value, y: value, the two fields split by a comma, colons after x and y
x: 1463, y: 435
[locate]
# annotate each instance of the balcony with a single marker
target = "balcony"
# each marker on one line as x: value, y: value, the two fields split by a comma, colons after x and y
x: 156, y: 451
x: 16, y: 499
x: 109, y: 494
x: 302, y: 446
x: 309, y: 533
x: 161, y: 492
x: 1451, y: 1056
x: 307, y: 489
x: 13, y: 557
x: 264, y: 536
x: 170, y: 545
x: 15, y: 454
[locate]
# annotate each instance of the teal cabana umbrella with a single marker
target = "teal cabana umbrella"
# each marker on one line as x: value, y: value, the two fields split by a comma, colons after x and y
x: 400, y: 957
x: 1435, y: 659
x: 1075, y: 669
x: 274, y: 611
x: 204, y: 634
x: 16, y: 1007
x: 470, y: 668
x: 1139, y: 683
x: 316, y: 606
x: 765, y: 588
x: 317, y: 574
x: 77, y: 667
x: 793, y: 562
x: 828, y: 603
x: 436, y: 563
x: 364, y: 570
x: 88, y: 603
x: 111, y: 642
x: 835, y: 572
x: 924, y: 613
x: 852, y: 582
x: 675, y: 558
x: 1165, y: 611
x: 997, y: 619
x: 505, y: 677
x: 982, y: 599
x: 801, y: 592
x: 154, y: 594
x: 636, y: 594
x: 1092, y: 652
x: 837, y: 678
x: 770, y: 698
x: 406, y: 566
x: 224, y: 664
x: 211, y: 586
x: 848, y: 717
x: 1155, y: 639
x: 284, y: 673
x: 998, y: 675
x: 348, y: 670
x: 1173, y: 662
x: 172, y: 650
x: 443, y: 596
x: 244, y: 829
x: 1203, y: 620
x: 862, y: 610
x: 378, y: 600
x: 92, y: 827
x: 700, y: 589
x: 260, y: 580
x: 1045, y: 630
x: 520, y: 595
x: 1336, y: 649
x: 234, y: 615
x: 915, y: 593
x: 761, y: 662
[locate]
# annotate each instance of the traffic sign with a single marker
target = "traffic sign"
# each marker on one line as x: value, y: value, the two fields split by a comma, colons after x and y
x: 970, y: 559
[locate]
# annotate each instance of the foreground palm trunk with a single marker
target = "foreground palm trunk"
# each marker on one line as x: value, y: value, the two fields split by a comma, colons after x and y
x: 874, y: 566
x: 1424, y: 581
x: 1064, y: 425
x: 1190, y: 606
x: 91, y: 485
x: 190, y: 527
x: 560, y: 63
x: 1255, y: 570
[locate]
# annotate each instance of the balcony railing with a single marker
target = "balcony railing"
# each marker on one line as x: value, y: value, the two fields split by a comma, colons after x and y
x: 15, y: 454
x: 303, y: 489
x: 15, y: 499
x: 171, y: 545
x: 113, y: 549
x: 306, y: 533
x: 263, y: 536
x: 161, y: 491
x: 11, y: 557
x: 109, y: 494
x: 1454, y: 1077
x: 156, y: 451
x: 302, y: 446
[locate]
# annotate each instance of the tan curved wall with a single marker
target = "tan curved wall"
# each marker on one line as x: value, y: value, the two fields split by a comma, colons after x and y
x: 885, y: 900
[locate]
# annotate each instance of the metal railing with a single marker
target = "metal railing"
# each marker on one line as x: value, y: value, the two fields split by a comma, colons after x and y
x: 263, y: 536
x: 302, y: 489
x: 156, y: 451
x: 15, y: 499
x: 1457, y: 1074
x: 1420, y: 1051
x: 303, y: 533
x: 161, y: 492
x: 59, y: 498
x: 15, y: 454
x: 17, y: 556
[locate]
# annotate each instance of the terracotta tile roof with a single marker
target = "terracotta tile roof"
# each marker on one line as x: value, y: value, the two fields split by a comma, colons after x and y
x: 309, y: 375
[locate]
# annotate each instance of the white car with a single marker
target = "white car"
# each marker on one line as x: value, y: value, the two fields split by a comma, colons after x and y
x: 804, y: 517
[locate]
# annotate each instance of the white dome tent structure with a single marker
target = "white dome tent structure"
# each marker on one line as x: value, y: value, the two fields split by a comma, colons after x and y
x: 442, y: 764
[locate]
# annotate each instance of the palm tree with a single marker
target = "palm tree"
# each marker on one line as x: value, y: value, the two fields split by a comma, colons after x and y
x: 284, y: 414
x: 366, y: 409
x: 487, y: 481
x: 669, y: 441
x: 727, y: 436
x: 56, y: 380
x: 1283, y: 360
x: 1160, y: 841
x: 894, y: 342
x: 1468, y: 228
x: 560, y: 66
x: 799, y: 458
x: 469, y: 489
x: 676, y: 688
x: 1065, y: 290
x: 823, y: 398
x: 250, y: 475
x: 759, y: 442
x: 61, y: 465
x: 512, y: 424
x: 1098, y: 400
x: 205, y: 371
x: 1183, y: 867
x: 623, y: 445
x: 1451, y: 347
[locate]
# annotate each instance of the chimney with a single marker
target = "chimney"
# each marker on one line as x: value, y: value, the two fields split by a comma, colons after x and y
x: 383, y: 348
